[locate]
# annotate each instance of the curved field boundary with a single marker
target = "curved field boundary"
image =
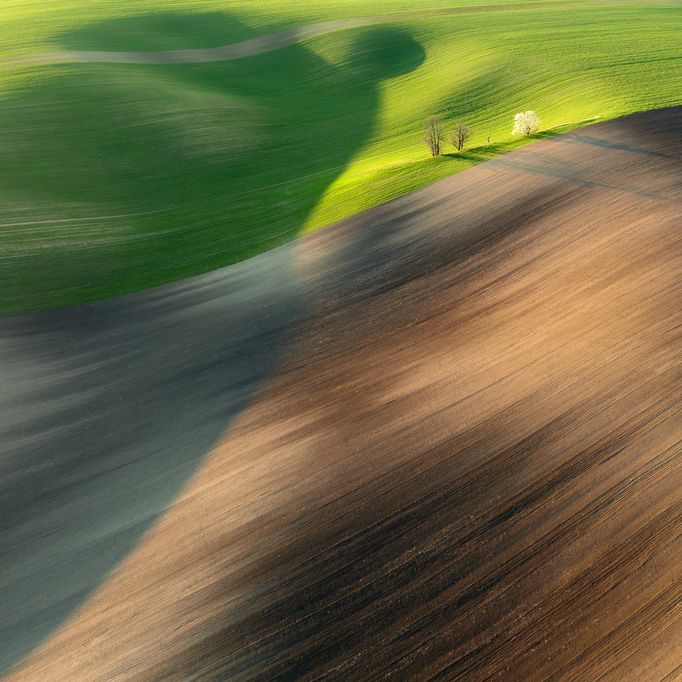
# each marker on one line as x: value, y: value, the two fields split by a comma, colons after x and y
x: 245, y: 48
x: 250, y: 47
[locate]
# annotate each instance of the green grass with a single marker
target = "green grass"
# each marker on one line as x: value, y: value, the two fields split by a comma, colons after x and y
x: 119, y: 177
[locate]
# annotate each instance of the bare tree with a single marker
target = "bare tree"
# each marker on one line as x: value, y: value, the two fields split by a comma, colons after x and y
x: 526, y: 123
x: 460, y: 135
x: 433, y: 134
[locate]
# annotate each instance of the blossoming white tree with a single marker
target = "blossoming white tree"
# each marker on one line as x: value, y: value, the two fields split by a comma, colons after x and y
x: 526, y: 123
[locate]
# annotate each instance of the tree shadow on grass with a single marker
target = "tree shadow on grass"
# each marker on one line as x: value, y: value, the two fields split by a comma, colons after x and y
x: 141, y: 174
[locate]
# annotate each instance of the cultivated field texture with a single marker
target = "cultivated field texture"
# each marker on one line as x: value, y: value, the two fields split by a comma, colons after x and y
x: 120, y: 176
x: 440, y: 440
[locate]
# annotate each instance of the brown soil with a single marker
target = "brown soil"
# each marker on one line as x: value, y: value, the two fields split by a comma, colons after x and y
x: 468, y: 465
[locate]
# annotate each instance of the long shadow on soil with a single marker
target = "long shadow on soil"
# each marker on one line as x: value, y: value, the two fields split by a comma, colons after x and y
x: 108, y: 409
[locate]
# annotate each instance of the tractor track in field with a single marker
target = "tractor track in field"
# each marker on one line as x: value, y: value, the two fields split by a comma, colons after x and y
x: 252, y: 46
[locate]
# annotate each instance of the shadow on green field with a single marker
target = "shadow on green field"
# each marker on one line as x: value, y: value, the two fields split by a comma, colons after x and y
x: 123, y: 176
x: 547, y: 134
x: 486, y: 151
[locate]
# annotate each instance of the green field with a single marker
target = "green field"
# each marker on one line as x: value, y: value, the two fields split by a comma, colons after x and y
x: 117, y: 177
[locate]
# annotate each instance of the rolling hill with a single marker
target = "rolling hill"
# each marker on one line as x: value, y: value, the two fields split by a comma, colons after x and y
x: 122, y: 176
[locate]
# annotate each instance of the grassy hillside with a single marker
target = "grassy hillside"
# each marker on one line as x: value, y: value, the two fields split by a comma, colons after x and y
x: 117, y: 177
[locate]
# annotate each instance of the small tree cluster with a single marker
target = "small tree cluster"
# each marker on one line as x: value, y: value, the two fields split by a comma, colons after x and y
x: 434, y: 135
x: 525, y: 123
